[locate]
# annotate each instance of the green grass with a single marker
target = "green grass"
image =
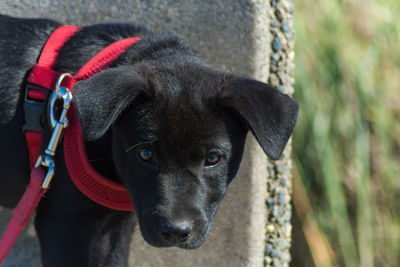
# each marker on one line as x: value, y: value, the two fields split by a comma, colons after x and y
x: 347, y: 140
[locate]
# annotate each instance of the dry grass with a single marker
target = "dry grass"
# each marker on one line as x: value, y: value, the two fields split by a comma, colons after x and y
x: 347, y: 141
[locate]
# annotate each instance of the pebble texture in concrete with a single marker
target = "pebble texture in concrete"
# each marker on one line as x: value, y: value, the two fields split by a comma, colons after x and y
x: 233, y: 36
x: 279, y: 182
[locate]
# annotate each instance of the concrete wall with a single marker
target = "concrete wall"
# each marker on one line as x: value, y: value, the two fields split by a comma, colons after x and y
x: 233, y: 35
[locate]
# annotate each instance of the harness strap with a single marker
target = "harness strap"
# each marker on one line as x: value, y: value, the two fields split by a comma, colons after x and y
x: 91, y: 183
x: 34, y: 141
x: 43, y: 75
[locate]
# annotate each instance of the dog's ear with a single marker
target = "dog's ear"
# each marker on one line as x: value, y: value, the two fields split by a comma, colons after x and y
x: 101, y: 99
x: 268, y: 113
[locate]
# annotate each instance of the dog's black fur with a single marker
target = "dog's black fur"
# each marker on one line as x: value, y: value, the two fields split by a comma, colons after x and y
x: 158, y: 97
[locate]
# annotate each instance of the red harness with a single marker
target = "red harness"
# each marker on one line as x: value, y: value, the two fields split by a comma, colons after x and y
x: 92, y: 184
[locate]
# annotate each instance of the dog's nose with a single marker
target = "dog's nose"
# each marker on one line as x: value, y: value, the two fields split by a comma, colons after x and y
x: 175, y: 232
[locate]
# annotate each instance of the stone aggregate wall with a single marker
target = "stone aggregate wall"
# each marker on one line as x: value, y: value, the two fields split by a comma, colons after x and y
x: 279, y: 181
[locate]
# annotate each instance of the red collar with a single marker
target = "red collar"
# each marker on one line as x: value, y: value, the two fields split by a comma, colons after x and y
x: 92, y: 184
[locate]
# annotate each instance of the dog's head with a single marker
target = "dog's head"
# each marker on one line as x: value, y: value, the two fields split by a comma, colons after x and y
x: 178, y: 131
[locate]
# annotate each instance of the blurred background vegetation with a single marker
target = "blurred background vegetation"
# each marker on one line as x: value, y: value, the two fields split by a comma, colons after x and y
x: 347, y: 140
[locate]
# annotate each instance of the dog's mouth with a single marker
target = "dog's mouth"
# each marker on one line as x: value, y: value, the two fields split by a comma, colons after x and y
x: 156, y: 234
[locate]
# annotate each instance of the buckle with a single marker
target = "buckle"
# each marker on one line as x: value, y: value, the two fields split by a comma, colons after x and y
x: 34, y: 107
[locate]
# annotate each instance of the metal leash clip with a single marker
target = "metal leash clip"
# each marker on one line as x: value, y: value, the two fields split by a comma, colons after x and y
x: 46, y: 159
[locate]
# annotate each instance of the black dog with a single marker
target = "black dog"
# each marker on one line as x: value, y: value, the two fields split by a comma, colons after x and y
x: 160, y: 120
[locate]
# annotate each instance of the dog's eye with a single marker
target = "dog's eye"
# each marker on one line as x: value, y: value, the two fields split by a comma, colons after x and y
x: 146, y: 154
x: 213, y: 159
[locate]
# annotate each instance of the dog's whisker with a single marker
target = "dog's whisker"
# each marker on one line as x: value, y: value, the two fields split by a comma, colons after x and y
x: 93, y: 160
x: 221, y: 228
x: 182, y: 252
x: 228, y: 201
x: 135, y: 145
x: 212, y: 236
x: 132, y: 147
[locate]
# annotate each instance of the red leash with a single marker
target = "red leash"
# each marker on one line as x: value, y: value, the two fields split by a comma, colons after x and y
x: 88, y: 181
x: 23, y: 212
